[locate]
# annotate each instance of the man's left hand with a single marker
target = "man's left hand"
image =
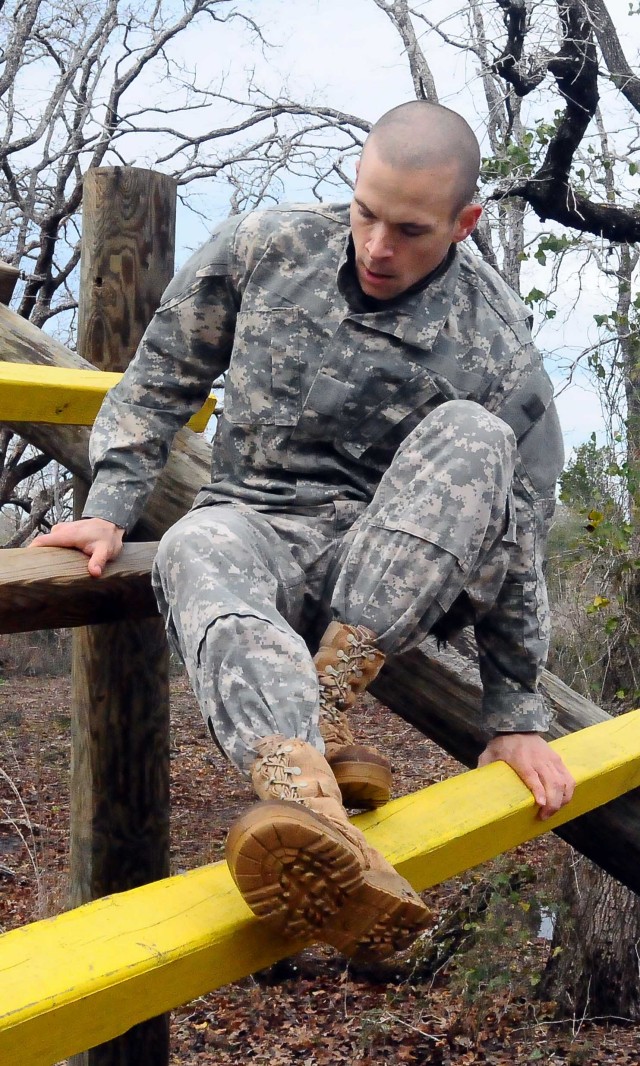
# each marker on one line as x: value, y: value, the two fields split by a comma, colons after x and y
x: 537, y: 765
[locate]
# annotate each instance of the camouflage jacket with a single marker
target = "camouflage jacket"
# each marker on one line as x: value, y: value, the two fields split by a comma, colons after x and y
x: 322, y: 387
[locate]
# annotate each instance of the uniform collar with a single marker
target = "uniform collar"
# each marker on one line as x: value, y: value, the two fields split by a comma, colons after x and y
x: 358, y: 301
x: 417, y: 315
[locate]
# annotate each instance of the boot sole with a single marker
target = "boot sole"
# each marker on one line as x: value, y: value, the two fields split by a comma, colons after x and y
x: 292, y: 867
x: 298, y: 872
x: 363, y: 785
x: 396, y: 916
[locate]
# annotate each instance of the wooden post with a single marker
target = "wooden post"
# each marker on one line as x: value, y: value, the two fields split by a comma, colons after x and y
x: 120, y: 705
x: 8, y: 278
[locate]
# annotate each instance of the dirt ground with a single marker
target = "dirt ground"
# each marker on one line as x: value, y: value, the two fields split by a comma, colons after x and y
x: 465, y: 994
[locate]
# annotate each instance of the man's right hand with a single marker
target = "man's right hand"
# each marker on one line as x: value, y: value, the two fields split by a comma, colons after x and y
x: 97, y: 538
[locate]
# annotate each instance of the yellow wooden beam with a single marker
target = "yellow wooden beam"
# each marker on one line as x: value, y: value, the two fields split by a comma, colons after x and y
x: 30, y: 392
x: 79, y: 979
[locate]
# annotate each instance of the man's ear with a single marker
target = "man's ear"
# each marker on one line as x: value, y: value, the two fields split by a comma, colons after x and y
x: 466, y: 222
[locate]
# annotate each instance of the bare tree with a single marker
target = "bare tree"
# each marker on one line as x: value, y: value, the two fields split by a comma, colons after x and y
x: 84, y: 85
x: 558, y: 113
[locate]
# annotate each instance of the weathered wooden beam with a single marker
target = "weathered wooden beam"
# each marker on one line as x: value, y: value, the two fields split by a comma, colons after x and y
x: 189, y: 463
x: 83, y: 977
x: 50, y: 588
x: 65, y: 395
x: 8, y: 279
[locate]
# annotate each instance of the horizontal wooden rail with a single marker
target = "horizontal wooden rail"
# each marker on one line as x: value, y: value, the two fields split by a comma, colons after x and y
x: 50, y: 588
x: 73, y: 981
x: 436, y: 690
x: 64, y: 396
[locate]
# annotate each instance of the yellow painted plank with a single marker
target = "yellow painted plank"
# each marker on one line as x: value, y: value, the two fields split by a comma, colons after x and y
x: 481, y: 813
x: 31, y: 392
x: 83, y: 977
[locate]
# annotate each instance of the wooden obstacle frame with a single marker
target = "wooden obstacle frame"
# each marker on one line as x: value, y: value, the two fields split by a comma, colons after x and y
x: 91, y: 974
x: 105, y: 966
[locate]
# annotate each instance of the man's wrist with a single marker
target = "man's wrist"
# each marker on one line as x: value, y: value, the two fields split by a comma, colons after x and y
x: 99, y: 518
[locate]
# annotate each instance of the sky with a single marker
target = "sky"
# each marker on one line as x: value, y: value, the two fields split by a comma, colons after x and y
x: 345, y: 54
x: 348, y: 56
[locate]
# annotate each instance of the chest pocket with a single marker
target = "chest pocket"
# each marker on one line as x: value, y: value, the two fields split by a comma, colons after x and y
x: 370, y: 384
x: 263, y: 383
x: 405, y: 407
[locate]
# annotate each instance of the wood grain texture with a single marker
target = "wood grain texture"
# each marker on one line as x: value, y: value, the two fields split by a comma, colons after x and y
x: 120, y: 672
x: 128, y: 241
x: 85, y: 976
x: 54, y: 588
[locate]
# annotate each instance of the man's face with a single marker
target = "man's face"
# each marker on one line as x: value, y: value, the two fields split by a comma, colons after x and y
x: 403, y: 223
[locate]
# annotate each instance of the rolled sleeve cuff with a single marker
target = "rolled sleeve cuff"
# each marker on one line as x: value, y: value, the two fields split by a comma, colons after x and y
x: 516, y: 712
x: 111, y: 507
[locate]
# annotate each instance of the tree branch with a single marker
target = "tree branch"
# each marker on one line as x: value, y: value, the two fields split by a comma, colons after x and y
x: 622, y: 75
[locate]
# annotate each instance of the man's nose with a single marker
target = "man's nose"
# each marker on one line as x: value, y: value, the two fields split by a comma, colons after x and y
x: 379, y: 244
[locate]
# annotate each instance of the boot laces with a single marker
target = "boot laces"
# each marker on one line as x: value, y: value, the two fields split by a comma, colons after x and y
x: 336, y: 681
x: 280, y: 774
x: 334, y: 692
x: 361, y: 651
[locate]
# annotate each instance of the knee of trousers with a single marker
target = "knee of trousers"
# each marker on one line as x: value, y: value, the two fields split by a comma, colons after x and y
x: 174, y: 552
x: 466, y: 426
x: 200, y: 537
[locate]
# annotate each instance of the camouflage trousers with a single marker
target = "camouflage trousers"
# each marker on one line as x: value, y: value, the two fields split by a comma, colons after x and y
x: 246, y: 592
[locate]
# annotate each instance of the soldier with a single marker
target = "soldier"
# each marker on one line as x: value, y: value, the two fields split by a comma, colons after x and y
x: 384, y: 469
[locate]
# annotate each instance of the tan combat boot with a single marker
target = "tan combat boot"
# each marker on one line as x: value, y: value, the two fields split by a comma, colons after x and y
x: 347, y: 662
x: 300, y: 864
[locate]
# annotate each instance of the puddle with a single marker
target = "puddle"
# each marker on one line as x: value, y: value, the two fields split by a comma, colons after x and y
x: 547, y: 923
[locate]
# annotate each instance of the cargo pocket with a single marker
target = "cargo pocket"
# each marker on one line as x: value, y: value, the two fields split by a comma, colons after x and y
x: 431, y: 548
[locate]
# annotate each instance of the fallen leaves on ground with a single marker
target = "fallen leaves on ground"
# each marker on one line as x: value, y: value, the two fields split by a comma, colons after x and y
x: 468, y: 998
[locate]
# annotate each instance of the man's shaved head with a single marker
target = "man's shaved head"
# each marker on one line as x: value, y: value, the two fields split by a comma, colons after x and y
x: 422, y: 136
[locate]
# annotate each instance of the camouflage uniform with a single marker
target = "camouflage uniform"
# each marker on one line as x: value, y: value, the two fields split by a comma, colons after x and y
x: 392, y: 464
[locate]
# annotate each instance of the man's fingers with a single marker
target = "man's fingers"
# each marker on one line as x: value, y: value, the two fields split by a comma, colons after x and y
x: 559, y: 788
x: 534, y: 783
x: 537, y: 765
x: 59, y: 537
x: 95, y: 537
x: 99, y: 558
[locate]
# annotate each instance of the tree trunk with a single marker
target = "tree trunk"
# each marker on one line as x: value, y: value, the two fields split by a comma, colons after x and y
x: 594, y: 966
x: 596, y: 970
